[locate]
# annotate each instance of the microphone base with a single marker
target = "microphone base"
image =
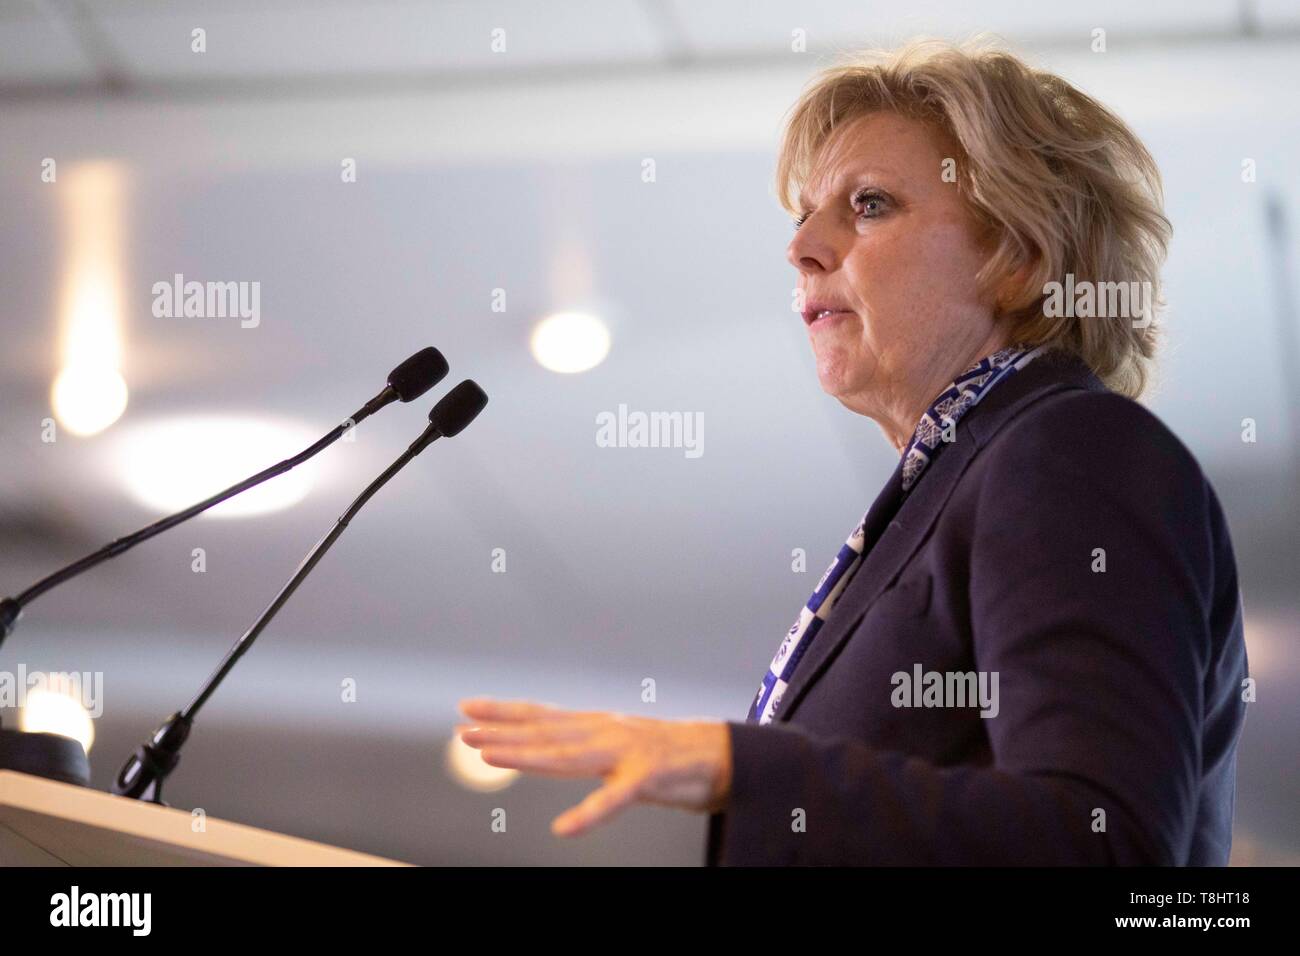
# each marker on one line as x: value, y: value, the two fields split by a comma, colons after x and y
x: 45, y: 755
x: 142, y: 776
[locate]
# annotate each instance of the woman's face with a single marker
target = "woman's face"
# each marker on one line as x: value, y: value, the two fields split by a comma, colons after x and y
x: 888, y: 242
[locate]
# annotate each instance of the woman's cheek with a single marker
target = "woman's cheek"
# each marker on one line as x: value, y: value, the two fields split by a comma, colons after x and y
x: 953, y: 260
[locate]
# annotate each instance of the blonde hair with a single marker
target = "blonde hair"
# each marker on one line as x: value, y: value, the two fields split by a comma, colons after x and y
x: 1057, y: 183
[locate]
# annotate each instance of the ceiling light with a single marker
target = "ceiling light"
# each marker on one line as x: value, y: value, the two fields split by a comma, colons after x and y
x: 89, y: 393
x: 170, y: 464
x: 88, y: 398
x: 52, y: 712
x: 466, y: 765
x: 570, y: 342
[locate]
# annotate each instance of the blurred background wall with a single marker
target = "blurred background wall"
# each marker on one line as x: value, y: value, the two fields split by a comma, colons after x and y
x: 398, y: 174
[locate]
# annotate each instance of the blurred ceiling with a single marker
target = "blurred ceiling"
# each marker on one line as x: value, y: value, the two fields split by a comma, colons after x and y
x: 522, y: 171
x: 130, y: 46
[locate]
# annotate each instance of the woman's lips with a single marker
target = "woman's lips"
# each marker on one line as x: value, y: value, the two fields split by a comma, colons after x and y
x: 827, y: 318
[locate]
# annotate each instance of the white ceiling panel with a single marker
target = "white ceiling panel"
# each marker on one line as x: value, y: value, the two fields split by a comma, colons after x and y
x: 1275, y: 14
x: 35, y: 48
x: 731, y: 26
x: 367, y: 39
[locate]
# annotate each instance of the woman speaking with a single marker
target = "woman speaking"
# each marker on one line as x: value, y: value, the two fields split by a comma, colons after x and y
x: 1029, y: 649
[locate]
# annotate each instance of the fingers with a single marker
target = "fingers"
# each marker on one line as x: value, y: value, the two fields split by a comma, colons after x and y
x: 600, y: 806
x: 520, y: 722
x: 639, y: 758
x: 487, y: 708
x: 523, y: 735
x: 561, y: 761
x: 536, y: 732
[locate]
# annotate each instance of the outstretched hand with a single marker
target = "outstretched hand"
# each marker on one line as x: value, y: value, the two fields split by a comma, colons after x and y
x: 675, y: 763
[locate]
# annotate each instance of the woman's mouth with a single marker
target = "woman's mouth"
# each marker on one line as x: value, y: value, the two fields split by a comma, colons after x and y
x: 822, y: 317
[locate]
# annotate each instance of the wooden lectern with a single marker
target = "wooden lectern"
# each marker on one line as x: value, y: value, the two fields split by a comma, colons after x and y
x: 47, y: 823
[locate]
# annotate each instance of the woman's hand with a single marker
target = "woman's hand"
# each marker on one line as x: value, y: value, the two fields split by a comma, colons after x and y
x: 675, y: 763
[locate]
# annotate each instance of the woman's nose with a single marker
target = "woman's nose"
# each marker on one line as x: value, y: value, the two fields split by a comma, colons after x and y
x: 810, y: 251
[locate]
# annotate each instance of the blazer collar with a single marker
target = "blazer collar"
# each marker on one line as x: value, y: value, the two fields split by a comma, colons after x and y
x: 897, y: 530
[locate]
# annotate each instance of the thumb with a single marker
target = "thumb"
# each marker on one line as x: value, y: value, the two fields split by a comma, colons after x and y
x: 618, y: 792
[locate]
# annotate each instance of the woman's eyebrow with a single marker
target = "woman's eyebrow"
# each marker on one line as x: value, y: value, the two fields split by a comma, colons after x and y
x: 857, y: 172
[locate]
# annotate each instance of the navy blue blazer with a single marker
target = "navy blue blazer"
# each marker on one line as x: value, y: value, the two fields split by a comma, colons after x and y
x: 1120, y: 696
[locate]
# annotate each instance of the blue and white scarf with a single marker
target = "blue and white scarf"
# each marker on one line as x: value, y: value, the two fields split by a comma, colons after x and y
x: 935, y: 429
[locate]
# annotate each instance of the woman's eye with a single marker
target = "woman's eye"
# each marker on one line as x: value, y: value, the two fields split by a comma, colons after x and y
x: 871, y: 203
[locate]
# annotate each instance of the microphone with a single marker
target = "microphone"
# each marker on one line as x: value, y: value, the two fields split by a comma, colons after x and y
x: 419, y: 373
x: 143, y: 774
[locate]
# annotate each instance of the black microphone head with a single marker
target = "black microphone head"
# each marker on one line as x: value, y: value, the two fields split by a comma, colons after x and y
x: 458, y: 408
x: 423, y: 370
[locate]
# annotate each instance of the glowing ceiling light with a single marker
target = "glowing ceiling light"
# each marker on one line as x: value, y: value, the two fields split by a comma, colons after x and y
x: 170, y: 464
x: 466, y: 765
x: 53, y: 712
x: 570, y: 342
x: 88, y: 398
x: 89, y: 393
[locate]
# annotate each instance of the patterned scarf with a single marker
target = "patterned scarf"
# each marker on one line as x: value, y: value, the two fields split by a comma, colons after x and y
x: 936, y: 428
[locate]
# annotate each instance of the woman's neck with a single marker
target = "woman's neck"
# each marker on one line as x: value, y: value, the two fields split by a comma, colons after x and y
x: 900, y: 426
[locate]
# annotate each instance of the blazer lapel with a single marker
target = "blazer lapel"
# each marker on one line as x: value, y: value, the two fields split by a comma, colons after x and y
x: 897, y: 531
x: 897, y: 534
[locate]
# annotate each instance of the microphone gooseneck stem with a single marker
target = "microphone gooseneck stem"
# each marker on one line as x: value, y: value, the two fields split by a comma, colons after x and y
x: 143, y: 774
x: 308, y: 563
x: 11, y: 608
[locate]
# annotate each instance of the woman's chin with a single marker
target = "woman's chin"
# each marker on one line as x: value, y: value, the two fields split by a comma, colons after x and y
x: 834, y: 378
x: 836, y: 371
